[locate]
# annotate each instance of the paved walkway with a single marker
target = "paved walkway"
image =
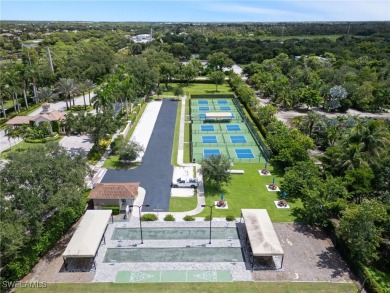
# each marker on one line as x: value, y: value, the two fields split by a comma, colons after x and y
x: 144, y: 129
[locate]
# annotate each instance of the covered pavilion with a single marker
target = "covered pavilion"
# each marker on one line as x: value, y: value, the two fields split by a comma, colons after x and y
x: 88, y: 236
x: 261, y: 234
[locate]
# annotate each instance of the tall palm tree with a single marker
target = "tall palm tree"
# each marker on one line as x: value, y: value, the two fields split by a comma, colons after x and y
x: 83, y: 88
x: 128, y: 89
x: 103, y: 98
x: 90, y: 86
x: 67, y: 87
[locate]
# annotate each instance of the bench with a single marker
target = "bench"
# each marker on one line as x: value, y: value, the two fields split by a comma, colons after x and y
x: 236, y: 171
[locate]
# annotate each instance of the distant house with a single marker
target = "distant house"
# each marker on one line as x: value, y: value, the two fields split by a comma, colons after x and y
x: 114, y: 194
x: 46, y: 115
x: 141, y: 39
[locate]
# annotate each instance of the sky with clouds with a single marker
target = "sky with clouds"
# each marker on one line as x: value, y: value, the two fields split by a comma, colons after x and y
x: 196, y: 10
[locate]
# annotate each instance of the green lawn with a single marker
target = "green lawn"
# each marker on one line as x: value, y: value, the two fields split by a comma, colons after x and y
x: 249, y: 191
x: 183, y: 204
x: 176, y: 136
x: 20, y: 147
x: 228, y: 287
x: 198, y: 88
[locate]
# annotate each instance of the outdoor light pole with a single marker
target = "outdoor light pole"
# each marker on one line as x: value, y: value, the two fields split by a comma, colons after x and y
x: 140, y: 222
x: 211, y: 216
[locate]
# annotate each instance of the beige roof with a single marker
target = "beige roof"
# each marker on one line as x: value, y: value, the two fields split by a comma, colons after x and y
x: 86, y: 239
x: 219, y: 115
x: 50, y: 116
x: 115, y: 191
x: 261, y: 233
x: 17, y: 120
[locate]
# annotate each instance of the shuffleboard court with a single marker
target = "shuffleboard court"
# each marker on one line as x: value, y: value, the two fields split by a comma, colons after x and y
x: 173, y: 254
x: 209, y: 139
x: 173, y: 233
x: 202, y: 116
x: 173, y: 276
x: 211, y: 152
x: 204, y: 108
x: 222, y: 102
x: 203, y: 102
x: 244, y: 153
x: 233, y: 127
x: 238, y: 139
x: 207, y: 127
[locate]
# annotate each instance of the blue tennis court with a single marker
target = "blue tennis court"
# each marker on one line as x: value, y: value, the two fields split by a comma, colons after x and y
x: 204, y: 108
x: 202, y: 116
x: 207, y: 127
x: 211, y: 152
x: 244, y: 154
x: 222, y: 102
x: 225, y: 108
x: 237, y: 139
x: 233, y: 127
x: 203, y: 102
x: 209, y: 139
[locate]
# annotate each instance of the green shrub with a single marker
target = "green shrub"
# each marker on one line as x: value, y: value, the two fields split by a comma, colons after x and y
x: 115, y: 209
x: 230, y: 218
x: 117, y: 144
x: 208, y: 218
x: 169, y: 217
x: 149, y: 218
x: 189, y: 218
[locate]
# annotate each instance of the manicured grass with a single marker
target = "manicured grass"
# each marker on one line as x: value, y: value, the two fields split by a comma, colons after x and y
x: 198, y: 88
x: 112, y: 162
x: 248, y: 191
x: 229, y: 287
x: 20, y: 147
x: 175, y: 146
x: 183, y: 204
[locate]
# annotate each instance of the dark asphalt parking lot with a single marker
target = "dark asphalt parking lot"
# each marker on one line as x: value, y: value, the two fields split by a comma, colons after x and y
x: 155, y: 172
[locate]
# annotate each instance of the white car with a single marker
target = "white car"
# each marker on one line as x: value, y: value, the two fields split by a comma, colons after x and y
x: 188, y: 183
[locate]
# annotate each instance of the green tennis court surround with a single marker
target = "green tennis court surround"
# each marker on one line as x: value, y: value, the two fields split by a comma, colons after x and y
x: 230, y: 137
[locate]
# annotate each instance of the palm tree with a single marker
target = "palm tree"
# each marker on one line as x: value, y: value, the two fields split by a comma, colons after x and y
x: 83, y: 88
x: 46, y: 93
x: 90, y: 86
x: 351, y: 157
x: 67, y: 87
x: 103, y: 98
x: 373, y: 136
x: 127, y: 88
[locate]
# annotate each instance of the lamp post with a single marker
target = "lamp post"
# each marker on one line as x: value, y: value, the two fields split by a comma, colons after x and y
x: 140, y: 222
x: 211, y: 216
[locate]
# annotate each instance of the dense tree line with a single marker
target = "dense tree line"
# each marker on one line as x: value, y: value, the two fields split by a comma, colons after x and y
x: 42, y: 193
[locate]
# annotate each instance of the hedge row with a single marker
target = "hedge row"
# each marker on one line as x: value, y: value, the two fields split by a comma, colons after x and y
x: 43, y: 140
x: 115, y: 209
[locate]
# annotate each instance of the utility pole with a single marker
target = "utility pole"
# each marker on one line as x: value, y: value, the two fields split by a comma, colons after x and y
x: 50, y: 61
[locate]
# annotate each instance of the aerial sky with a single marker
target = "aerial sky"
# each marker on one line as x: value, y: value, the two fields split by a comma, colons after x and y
x: 196, y: 10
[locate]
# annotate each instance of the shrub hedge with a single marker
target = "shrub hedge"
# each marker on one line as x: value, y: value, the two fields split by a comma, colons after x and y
x: 149, y: 218
x: 189, y: 218
x: 169, y: 217
x: 230, y: 218
x: 115, y: 209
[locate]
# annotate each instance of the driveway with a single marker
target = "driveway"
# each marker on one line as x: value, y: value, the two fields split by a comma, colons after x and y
x: 77, y: 144
x: 155, y: 172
